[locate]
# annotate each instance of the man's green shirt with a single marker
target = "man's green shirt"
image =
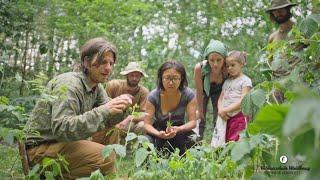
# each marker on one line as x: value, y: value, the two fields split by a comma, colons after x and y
x: 74, y: 113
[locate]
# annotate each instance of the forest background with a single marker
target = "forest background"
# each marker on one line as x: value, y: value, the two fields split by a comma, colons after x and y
x: 40, y: 39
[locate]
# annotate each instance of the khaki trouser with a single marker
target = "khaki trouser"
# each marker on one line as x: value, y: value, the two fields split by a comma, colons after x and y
x: 83, y: 156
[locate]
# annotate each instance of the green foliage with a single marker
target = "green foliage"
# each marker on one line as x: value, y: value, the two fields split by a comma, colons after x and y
x: 10, y: 135
x: 141, y: 156
x: 11, y: 116
x: 50, y: 168
x: 33, y: 35
x: 208, y: 163
x: 96, y: 175
x: 269, y: 120
x: 310, y: 25
x: 10, y: 165
x: 304, y: 111
x: 253, y: 101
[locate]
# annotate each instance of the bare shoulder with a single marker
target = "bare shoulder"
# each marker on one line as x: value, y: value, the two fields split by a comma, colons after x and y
x: 197, y: 67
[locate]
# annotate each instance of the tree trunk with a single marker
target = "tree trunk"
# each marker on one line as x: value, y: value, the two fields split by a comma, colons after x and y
x: 16, y: 55
x: 24, y: 62
x: 68, y: 54
x: 50, y: 55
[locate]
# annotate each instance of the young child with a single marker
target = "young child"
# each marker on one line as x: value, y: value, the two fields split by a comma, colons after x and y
x: 233, y: 90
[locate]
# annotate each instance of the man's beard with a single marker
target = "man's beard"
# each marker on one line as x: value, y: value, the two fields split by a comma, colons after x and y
x: 284, y: 19
x: 132, y: 83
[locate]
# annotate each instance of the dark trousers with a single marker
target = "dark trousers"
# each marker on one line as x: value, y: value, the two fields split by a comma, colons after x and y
x: 182, y: 141
x: 214, y: 103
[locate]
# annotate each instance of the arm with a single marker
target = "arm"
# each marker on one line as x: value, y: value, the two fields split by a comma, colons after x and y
x: 199, y: 89
x: 150, y: 110
x: 236, y: 106
x: 221, y: 111
x: 68, y: 123
x: 191, y: 111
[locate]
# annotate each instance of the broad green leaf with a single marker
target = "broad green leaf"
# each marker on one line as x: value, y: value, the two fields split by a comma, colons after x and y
x: 96, y: 175
x: 246, y: 104
x: 270, y: 119
x: 107, y: 150
x: 18, y: 77
x: 254, y: 141
x: 301, y: 113
x: 148, y: 145
x: 315, y: 17
x: 254, y: 128
x: 239, y: 150
x: 258, y: 97
x: 140, y: 156
x: 130, y: 136
x: 49, y: 175
x: 290, y: 96
x: 18, y: 115
x: 315, y: 114
x: 56, y: 169
x: 227, y: 149
x: 47, y: 162
x: 120, y: 150
x: 9, y: 138
x: 142, y: 139
x: 34, y: 170
x: 4, y: 100
x: 310, y: 25
x: 304, y: 143
x: 176, y: 164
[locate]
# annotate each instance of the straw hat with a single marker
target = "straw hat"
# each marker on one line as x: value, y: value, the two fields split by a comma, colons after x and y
x: 278, y: 4
x: 133, y: 67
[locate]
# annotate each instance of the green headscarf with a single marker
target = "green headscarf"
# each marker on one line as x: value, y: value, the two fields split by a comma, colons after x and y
x: 213, y: 46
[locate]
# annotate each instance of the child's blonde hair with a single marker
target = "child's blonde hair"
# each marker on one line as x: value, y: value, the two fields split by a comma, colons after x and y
x: 240, y: 56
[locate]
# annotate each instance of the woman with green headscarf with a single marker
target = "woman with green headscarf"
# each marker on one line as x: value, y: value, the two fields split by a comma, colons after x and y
x: 209, y: 77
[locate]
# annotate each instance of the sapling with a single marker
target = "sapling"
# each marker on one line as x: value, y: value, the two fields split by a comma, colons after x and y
x: 169, y: 123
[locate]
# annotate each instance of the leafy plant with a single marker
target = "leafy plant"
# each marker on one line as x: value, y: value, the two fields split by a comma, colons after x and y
x: 49, y: 168
x: 169, y: 122
x: 11, y: 116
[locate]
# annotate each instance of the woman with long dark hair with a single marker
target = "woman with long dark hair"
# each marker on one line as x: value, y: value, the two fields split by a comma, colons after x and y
x: 166, y: 124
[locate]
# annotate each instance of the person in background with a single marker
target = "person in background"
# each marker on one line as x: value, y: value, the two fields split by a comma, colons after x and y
x: 233, y: 90
x: 165, y: 123
x: 209, y: 77
x: 118, y: 87
x: 280, y: 13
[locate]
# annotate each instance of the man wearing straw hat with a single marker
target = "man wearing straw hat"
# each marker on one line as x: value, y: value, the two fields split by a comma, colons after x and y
x: 117, y: 87
x: 280, y: 13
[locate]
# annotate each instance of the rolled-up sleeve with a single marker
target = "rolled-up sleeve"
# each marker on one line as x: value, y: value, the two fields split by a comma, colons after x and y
x: 69, y: 123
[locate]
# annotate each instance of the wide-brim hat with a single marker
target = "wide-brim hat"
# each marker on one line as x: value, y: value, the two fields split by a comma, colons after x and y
x: 278, y: 4
x: 133, y: 67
